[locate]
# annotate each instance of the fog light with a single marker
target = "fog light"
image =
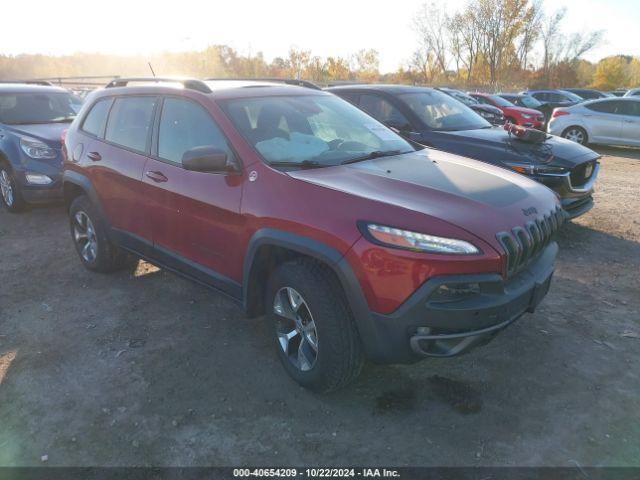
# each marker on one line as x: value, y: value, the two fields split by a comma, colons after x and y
x: 38, y: 179
x: 454, y: 292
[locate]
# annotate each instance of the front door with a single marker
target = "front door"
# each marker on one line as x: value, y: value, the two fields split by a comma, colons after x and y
x: 196, y: 216
x: 630, y: 123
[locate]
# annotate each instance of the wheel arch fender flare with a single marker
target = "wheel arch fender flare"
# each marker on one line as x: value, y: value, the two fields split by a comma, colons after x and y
x: 70, y: 177
x: 332, y: 258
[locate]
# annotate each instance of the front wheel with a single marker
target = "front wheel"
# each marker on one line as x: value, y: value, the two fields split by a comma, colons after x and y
x: 9, y: 193
x: 576, y: 134
x: 315, y: 333
x: 89, y: 236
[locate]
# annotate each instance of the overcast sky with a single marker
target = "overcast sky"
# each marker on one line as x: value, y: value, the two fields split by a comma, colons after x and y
x: 327, y: 27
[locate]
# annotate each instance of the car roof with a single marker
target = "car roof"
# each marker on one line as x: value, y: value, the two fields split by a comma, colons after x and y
x: 220, y: 89
x: 381, y: 87
x: 29, y: 88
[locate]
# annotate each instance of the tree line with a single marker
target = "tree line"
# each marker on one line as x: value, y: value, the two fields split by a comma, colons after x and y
x: 489, y: 44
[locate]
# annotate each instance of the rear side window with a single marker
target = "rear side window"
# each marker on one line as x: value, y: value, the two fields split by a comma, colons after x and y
x: 185, y: 125
x: 604, y: 107
x: 630, y: 108
x: 130, y: 122
x: 96, y: 119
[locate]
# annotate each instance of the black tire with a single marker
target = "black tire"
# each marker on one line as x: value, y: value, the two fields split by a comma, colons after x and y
x: 10, y: 195
x: 339, y: 356
x: 576, y: 134
x: 104, y: 257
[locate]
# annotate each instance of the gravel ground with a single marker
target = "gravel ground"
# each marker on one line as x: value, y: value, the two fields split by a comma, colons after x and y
x: 144, y: 368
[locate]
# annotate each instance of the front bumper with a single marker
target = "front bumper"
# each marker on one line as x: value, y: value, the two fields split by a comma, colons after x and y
x: 421, y: 328
x: 575, y: 200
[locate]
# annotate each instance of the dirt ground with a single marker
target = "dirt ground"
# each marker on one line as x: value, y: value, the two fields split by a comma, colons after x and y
x: 144, y: 368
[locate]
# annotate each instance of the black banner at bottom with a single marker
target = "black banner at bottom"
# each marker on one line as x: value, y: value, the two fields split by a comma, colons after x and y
x: 404, y: 473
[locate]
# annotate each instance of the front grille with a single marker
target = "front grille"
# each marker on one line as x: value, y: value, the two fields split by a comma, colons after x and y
x: 582, y: 173
x: 524, y: 243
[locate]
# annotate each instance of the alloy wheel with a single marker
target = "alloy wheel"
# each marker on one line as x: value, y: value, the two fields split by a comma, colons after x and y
x: 84, y: 235
x: 6, y: 188
x: 575, y: 135
x: 295, y: 328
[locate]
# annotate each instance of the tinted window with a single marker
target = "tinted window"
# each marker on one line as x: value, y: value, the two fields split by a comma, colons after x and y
x: 185, y: 125
x: 543, y: 97
x: 130, y: 122
x: 501, y: 102
x: 95, y: 121
x: 630, y: 108
x: 439, y: 111
x: 35, y: 107
x: 382, y: 110
x: 604, y: 107
x: 529, y: 102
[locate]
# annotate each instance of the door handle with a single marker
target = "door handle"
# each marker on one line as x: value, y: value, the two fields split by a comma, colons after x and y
x: 94, y: 156
x: 157, y: 177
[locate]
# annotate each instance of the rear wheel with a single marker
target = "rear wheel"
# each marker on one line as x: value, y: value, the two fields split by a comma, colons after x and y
x: 89, y: 236
x: 576, y: 134
x: 9, y: 193
x: 315, y: 333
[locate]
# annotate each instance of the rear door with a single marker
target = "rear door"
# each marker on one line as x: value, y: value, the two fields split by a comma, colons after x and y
x: 630, y: 112
x: 195, y: 215
x: 603, y: 121
x: 117, y: 161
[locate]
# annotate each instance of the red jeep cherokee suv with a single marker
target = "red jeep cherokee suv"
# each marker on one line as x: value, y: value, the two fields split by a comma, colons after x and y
x: 355, y: 243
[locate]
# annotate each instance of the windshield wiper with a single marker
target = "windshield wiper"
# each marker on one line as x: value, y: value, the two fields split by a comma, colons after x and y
x: 303, y: 164
x: 372, y: 155
x: 62, y: 120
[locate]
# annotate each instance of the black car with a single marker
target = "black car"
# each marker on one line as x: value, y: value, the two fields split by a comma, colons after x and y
x: 432, y: 118
x: 491, y: 114
x: 527, y: 101
x: 588, y: 93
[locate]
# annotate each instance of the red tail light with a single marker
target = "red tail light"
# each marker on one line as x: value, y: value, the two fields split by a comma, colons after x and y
x: 559, y: 113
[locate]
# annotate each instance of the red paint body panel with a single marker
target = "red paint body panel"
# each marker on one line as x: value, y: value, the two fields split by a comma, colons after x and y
x: 516, y: 113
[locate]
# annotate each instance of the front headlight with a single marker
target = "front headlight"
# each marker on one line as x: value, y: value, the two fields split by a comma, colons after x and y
x: 526, y: 116
x: 529, y: 169
x: 421, y: 242
x: 36, y: 149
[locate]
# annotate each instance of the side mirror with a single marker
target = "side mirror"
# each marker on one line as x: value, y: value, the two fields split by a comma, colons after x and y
x: 205, y: 159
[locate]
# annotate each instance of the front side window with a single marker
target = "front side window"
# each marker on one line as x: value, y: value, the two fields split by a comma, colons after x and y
x: 630, y: 108
x: 185, y: 125
x: 439, y: 111
x: 33, y: 107
x: 96, y: 119
x: 321, y: 130
x: 382, y: 110
x: 463, y: 97
x: 130, y: 122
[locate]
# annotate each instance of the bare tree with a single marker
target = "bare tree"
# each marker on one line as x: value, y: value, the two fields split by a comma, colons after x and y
x: 431, y: 25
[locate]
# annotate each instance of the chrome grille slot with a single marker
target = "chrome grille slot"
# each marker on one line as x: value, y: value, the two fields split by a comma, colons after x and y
x: 523, y: 244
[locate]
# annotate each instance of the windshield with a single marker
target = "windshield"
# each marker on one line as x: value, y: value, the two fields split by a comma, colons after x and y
x: 441, y: 112
x: 312, y: 130
x: 530, y: 102
x: 501, y: 102
x: 25, y: 108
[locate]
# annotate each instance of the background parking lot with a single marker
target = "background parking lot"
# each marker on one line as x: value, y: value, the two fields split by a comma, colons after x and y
x: 144, y: 368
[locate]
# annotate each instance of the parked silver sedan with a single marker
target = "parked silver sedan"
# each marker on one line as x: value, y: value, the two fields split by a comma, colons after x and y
x: 609, y: 121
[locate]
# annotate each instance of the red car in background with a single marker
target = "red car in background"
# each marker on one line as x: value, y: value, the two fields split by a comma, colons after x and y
x: 527, y: 117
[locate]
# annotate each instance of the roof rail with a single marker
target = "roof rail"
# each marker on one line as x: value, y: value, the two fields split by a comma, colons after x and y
x: 288, y: 81
x: 190, y: 83
x: 44, y: 83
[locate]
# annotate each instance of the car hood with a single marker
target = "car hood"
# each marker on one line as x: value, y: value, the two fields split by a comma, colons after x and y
x: 49, y: 133
x: 479, y: 198
x: 496, y: 144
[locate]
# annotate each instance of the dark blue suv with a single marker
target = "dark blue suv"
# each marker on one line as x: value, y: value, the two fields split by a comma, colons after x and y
x: 32, y: 119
